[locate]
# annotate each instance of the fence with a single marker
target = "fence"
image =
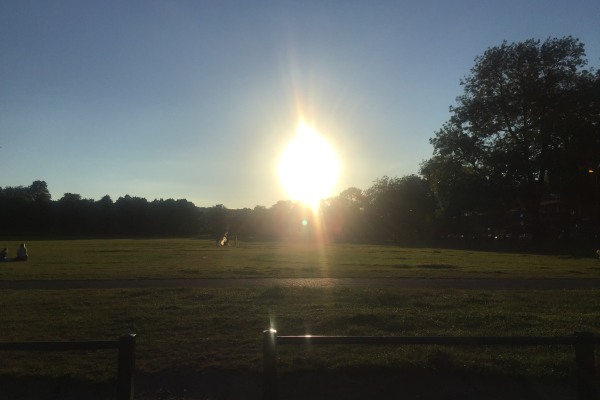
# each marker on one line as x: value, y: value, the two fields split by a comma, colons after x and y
x: 126, y: 359
x: 583, y: 342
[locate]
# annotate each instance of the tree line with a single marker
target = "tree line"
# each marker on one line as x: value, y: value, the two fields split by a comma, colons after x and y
x: 518, y: 160
x: 30, y: 210
x: 354, y: 215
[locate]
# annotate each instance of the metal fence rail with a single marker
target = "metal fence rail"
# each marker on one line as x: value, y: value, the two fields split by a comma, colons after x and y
x: 126, y: 359
x: 583, y: 342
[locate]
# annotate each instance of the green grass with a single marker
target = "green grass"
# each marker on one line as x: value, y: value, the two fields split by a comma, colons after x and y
x: 194, y: 258
x: 205, y: 329
x: 200, y: 330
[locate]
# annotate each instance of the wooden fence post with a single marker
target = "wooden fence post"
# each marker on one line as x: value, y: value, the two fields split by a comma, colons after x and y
x: 586, y: 366
x: 270, y: 364
x: 126, y: 367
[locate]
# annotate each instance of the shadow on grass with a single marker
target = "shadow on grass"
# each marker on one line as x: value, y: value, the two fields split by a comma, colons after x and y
x: 272, y: 293
x: 62, y: 388
x: 437, y: 266
x: 415, y: 384
x: 351, y: 383
x: 425, y: 266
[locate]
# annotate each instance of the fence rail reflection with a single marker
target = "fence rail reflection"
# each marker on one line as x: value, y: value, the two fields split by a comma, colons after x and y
x: 583, y: 342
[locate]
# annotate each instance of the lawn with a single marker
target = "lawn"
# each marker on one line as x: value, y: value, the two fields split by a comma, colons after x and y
x: 221, y: 328
x: 193, y: 332
x: 195, y: 258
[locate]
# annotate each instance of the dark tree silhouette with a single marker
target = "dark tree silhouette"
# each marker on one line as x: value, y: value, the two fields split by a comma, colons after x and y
x: 402, y: 208
x: 526, y: 124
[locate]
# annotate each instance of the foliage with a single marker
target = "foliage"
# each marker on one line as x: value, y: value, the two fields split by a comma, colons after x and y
x: 30, y: 210
x: 401, y: 206
x: 345, y: 216
x: 526, y: 126
x: 351, y: 216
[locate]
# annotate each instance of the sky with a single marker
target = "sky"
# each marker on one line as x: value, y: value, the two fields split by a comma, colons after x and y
x: 196, y: 100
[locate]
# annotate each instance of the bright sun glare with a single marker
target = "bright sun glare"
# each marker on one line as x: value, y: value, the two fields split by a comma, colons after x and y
x: 309, y: 167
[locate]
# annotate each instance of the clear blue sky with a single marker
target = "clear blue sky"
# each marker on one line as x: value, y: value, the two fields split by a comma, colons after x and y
x: 197, y: 99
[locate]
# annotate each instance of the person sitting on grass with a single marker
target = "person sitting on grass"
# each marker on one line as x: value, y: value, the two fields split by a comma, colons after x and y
x: 21, y: 253
x: 3, y: 254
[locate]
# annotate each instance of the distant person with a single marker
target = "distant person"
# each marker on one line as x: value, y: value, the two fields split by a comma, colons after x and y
x: 3, y: 255
x: 598, y: 253
x: 21, y: 253
x: 225, y: 240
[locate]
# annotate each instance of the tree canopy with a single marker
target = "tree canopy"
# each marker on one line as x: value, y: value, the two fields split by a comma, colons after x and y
x: 526, y: 126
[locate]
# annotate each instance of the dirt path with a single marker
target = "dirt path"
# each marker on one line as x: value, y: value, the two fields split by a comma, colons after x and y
x: 407, y: 283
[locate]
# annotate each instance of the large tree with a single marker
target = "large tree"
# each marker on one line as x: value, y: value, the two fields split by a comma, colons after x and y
x: 527, y: 123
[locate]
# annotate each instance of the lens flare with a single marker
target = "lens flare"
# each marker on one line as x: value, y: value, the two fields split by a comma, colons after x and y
x: 309, y: 167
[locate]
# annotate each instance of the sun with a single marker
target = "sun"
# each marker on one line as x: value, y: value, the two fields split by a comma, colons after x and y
x: 309, y: 167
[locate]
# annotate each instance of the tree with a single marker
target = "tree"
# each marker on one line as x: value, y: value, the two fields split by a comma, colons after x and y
x: 346, y: 215
x: 131, y: 215
x: 40, y: 207
x: 218, y: 222
x: 103, y: 215
x: 524, y: 124
x: 73, y: 214
x: 39, y: 192
x: 26, y: 209
x: 401, y: 207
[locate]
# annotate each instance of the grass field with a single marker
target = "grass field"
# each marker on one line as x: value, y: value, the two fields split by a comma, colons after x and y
x: 194, y: 258
x: 191, y: 331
